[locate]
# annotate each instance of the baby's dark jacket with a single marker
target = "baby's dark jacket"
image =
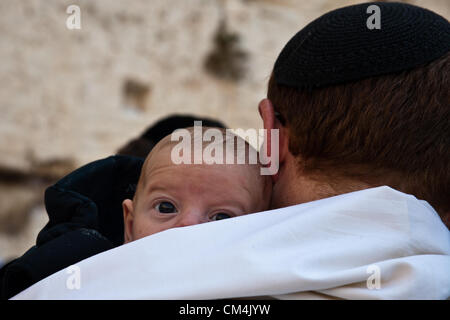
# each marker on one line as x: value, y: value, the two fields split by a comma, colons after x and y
x: 85, y: 218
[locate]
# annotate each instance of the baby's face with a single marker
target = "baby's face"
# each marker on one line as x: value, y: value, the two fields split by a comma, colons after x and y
x: 181, y: 195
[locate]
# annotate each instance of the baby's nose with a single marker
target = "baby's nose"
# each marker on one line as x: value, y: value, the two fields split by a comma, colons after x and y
x: 189, y: 219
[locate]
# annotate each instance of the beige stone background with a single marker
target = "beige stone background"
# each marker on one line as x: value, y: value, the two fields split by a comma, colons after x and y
x: 68, y: 97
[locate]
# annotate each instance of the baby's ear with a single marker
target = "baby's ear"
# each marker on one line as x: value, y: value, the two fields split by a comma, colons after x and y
x: 128, y: 216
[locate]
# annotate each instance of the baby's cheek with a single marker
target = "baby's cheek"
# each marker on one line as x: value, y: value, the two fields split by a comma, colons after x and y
x: 145, y: 226
x: 141, y: 228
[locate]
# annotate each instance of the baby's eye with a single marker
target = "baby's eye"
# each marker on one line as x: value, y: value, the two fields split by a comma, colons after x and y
x: 165, y: 207
x: 220, y: 216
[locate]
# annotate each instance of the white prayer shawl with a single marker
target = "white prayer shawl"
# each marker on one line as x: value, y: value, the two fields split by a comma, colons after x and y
x: 334, y: 248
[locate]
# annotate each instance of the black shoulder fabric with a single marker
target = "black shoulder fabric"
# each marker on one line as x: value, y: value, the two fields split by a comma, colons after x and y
x: 85, y: 218
x: 338, y: 47
x: 92, y: 195
x: 40, y: 262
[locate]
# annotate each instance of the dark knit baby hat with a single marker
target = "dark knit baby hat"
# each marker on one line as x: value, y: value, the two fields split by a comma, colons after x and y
x: 339, y: 47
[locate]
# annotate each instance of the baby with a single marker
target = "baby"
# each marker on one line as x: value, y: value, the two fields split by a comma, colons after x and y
x: 172, y: 195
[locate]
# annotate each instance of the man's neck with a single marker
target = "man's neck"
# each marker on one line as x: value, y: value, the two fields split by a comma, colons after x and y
x: 293, y: 187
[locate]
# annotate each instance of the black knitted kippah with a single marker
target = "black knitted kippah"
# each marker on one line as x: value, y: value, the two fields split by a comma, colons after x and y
x: 338, y: 47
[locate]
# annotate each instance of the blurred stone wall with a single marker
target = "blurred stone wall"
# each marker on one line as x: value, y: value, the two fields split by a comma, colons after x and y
x: 68, y: 97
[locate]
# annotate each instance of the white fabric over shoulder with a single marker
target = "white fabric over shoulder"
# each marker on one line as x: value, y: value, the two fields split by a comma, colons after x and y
x: 372, y: 244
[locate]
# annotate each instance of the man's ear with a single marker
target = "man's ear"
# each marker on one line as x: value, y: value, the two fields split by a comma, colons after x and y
x: 128, y: 216
x: 267, y: 113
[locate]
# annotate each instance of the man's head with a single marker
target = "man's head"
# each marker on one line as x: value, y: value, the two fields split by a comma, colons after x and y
x: 173, y: 195
x: 360, y: 108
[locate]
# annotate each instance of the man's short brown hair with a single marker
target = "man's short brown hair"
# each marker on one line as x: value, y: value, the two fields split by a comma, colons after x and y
x: 386, y: 130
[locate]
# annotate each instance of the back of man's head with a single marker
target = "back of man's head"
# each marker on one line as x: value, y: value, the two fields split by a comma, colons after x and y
x: 370, y: 104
